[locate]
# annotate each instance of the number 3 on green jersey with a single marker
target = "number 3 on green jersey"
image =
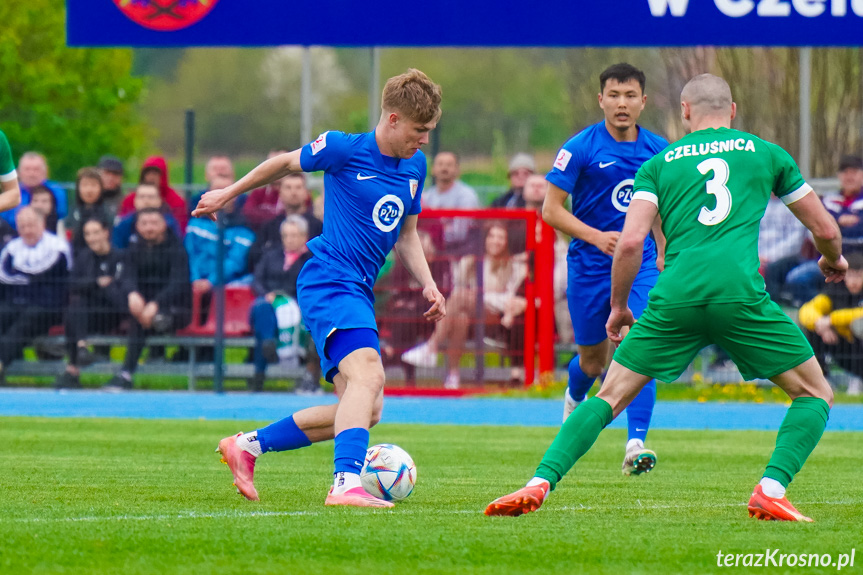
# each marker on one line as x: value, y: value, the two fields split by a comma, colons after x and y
x: 716, y: 187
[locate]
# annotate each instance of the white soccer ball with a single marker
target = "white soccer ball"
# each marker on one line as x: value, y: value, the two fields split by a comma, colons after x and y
x: 388, y: 472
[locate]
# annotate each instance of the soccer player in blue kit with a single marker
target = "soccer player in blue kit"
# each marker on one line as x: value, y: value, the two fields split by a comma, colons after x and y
x: 373, y: 186
x: 597, y: 168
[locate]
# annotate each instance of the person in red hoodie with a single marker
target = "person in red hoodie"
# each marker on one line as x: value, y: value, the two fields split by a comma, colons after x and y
x: 155, y: 171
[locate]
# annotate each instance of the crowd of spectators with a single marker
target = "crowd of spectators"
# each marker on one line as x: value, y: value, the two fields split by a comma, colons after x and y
x: 140, y: 261
x: 115, y: 264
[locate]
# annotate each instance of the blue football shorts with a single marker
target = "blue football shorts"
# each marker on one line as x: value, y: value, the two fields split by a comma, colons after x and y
x: 331, y: 300
x: 589, y: 299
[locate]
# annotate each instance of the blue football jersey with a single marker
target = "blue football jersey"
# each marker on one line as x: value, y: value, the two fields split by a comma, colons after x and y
x: 598, y: 172
x: 366, y: 198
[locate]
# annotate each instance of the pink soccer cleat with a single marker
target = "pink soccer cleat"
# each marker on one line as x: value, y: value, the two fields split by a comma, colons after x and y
x: 773, y: 509
x: 525, y: 500
x: 356, y: 497
x: 242, y: 465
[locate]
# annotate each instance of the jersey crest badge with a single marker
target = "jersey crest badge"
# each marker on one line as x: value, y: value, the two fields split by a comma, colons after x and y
x: 320, y: 143
x: 562, y: 160
x: 165, y: 15
x: 415, y: 184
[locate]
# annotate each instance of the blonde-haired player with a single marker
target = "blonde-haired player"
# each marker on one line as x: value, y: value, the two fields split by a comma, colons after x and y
x: 374, y: 182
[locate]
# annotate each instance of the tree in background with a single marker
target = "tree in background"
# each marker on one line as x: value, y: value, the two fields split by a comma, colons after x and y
x: 71, y: 104
x: 766, y: 86
x: 247, y: 101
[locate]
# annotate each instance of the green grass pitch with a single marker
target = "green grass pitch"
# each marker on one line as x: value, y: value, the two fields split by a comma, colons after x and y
x: 130, y: 496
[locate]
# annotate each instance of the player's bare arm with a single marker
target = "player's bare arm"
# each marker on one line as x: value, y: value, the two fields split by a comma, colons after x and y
x: 265, y: 173
x: 410, y: 250
x: 825, y: 232
x: 10, y: 196
x: 659, y: 238
x: 556, y: 215
x: 627, y: 261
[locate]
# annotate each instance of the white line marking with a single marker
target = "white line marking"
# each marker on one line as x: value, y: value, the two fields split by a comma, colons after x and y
x: 478, y: 511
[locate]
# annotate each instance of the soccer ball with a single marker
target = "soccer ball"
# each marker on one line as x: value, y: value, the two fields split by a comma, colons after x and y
x: 388, y: 472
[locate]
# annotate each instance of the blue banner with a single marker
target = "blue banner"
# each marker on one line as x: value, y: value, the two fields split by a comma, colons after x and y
x: 465, y: 22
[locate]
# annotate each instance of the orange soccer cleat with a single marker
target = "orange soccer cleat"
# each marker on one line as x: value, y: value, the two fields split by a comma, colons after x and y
x: 523, y: 501
x: 356, y: 497
x: 773, y: 509
x: 242, y: 465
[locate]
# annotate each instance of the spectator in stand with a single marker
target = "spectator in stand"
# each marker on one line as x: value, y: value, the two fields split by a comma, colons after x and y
x: 533, y: 192
x: 827, y: 320
x: 449, y: 192
x: 275, y: 274
x: 294, y: 199
x: 98, y: 298
x: 219, y: 166
x: 201, y: 243
x: 43, y: 201
x: 146, y: 196
x: 34, y: 272
x: 403, y: 302
x: 155, y: 172
x: 521, y: 167
x: 502, y: 277
x: 89, y: 204
x: 32, y: 172
x: 846, y: 205
x: 780, y: 242
x: 111, y: 171
x: 157, y: 275
x: 202, y: 246
x: 531, y: 197
x: 262, y: 205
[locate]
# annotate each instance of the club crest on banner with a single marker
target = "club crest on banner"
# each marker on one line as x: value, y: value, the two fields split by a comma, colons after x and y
x: 165, y: 15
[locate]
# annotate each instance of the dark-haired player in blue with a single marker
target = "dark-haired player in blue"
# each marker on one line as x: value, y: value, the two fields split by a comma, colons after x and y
x: 374, y: 182
x: 596, y: 168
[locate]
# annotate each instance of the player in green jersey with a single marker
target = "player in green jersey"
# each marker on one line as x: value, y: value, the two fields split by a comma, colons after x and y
x: 10, y: 193
x: 710, y: 190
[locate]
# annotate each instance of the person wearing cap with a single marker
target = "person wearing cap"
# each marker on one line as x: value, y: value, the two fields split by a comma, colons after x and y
x: 521, y: 167
x: 846, y: 205
x: 827, y: 321
x: 111, y: 170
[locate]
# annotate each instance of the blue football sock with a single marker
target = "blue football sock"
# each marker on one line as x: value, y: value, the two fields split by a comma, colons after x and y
x: 351, y: 447
x: 579, y: 382
x: 282, y: 435
x: 640, y: 410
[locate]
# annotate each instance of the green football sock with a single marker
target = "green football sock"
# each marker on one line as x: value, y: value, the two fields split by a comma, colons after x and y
x: 798, y: 435
x: 577, y: 435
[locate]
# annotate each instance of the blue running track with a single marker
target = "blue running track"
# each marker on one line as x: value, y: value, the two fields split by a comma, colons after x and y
x: 460, y: 411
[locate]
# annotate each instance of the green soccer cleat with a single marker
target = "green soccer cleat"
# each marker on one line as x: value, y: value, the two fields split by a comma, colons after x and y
x: 638, y: 460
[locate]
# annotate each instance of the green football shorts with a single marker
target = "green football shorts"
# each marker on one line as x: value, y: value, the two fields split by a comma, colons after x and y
x: 759, y: 337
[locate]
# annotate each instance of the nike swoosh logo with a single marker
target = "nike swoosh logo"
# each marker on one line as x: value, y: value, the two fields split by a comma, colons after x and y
x: 362, y: 177
x: 639, y: 429
x: 606, y: 164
